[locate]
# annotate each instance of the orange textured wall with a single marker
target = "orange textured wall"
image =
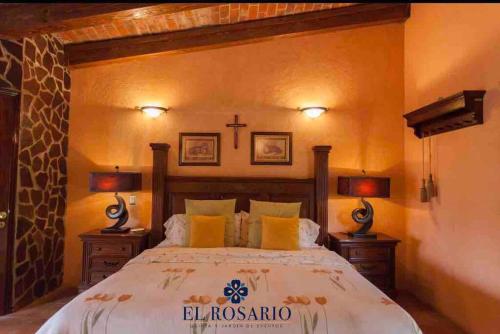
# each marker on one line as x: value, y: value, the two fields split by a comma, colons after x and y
x: 453, y: 249
x: 357, y: 73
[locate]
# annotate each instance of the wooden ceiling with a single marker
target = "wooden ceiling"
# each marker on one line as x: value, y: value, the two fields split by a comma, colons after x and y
x: 94, y: 32
x: 189, y: 19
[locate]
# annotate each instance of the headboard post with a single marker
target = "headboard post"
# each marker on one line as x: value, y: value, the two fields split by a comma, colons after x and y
x: 160, y: 159
x: 321, y: 189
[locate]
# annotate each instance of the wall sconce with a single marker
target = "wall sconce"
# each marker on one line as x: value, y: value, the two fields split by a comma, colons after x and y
x: 152, y: 111
x: 313, y: 112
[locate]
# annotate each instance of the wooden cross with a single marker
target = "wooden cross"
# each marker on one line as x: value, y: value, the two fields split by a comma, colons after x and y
x: 236, y: 126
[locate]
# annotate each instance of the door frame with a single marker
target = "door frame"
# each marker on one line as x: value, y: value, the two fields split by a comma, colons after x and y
x: 6, y: 291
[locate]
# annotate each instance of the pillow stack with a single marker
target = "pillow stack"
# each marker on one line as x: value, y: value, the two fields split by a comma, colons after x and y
x: 212, y: 208
x: 213, y: 223
x: 270, y: 210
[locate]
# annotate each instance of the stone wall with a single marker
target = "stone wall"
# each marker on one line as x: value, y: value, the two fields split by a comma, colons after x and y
x: 42, y: 174
x: 11, y: 58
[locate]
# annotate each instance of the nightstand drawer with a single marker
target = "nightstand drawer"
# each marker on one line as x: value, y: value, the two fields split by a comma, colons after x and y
x: 369, y: 253
x: 119, y: 249
x: 371, y: 268
x: 97, y: 276
x: 107, y: 263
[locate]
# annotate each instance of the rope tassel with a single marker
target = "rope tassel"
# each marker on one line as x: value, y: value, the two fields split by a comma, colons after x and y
x: 430, y: 182
x: 424, y: 196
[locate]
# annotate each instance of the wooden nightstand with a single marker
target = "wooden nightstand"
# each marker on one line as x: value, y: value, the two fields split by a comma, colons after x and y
x: 375, y: 259
x: 105, y: 254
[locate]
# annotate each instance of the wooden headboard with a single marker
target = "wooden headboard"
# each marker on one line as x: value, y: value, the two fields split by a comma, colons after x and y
x: 169, y: 192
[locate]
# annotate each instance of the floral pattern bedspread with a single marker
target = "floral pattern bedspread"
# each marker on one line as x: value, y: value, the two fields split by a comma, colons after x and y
x: 233, y: 290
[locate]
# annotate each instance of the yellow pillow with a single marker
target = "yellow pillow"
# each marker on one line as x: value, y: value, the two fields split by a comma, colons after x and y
x: 280, y: 233
x: 207, y: 231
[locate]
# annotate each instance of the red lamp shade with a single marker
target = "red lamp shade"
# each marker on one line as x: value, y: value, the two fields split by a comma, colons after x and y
x: 115, y: 182
x: 364, y: 186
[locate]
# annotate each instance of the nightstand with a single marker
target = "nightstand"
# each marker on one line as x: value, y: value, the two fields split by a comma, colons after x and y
x: 375, y: 259
x: 105, y: 254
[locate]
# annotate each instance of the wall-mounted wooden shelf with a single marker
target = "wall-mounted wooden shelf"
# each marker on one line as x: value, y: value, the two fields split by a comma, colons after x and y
x: 448, y: 114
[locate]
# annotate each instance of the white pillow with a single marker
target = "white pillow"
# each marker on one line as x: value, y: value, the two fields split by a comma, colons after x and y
x: 175, y: 231
x: 308, y: 231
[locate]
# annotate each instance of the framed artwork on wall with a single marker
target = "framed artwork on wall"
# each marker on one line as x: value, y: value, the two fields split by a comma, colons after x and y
x: 271, y: 148
x: 199, y: 149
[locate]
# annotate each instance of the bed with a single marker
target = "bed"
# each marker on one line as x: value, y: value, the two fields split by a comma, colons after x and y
x: 234, y: 289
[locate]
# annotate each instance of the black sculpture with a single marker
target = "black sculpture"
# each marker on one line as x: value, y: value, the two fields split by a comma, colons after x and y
x: 117, y: 211
x: 363, y: 216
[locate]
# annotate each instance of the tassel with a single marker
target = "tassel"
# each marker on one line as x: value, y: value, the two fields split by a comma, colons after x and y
x: 430, y: 187
x: 424, y: 197
x: 423, y: 193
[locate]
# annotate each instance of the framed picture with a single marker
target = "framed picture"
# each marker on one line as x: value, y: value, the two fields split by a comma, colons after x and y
x: 199, y: 149
x: 271, y: 148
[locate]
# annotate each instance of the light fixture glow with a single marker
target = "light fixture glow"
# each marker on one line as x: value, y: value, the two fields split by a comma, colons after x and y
x: 313, y: 112
x: 152, y: 111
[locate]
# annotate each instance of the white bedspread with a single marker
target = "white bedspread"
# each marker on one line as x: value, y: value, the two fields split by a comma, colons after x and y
x: 233, y: 290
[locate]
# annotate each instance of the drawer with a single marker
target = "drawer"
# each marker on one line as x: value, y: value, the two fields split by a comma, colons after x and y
x: 374, y: 268
x: 117, y: 249
x: 97, y: 276
x: 380, y: 281
x: 369, y: 253
x: 107, y: 263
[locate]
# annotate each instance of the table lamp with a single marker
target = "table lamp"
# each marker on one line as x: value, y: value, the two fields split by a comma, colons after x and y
x: 115, y: 182
x: 364, y: 186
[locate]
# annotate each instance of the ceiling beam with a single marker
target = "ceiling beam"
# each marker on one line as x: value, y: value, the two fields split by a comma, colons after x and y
x: 23, y: 20
x: 238, y: 33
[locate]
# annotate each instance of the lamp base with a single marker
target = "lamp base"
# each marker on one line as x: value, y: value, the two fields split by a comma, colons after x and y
x: 117, y: 211
x: 363, y: 216
x: 115, y: 230
x: 367, y: 235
